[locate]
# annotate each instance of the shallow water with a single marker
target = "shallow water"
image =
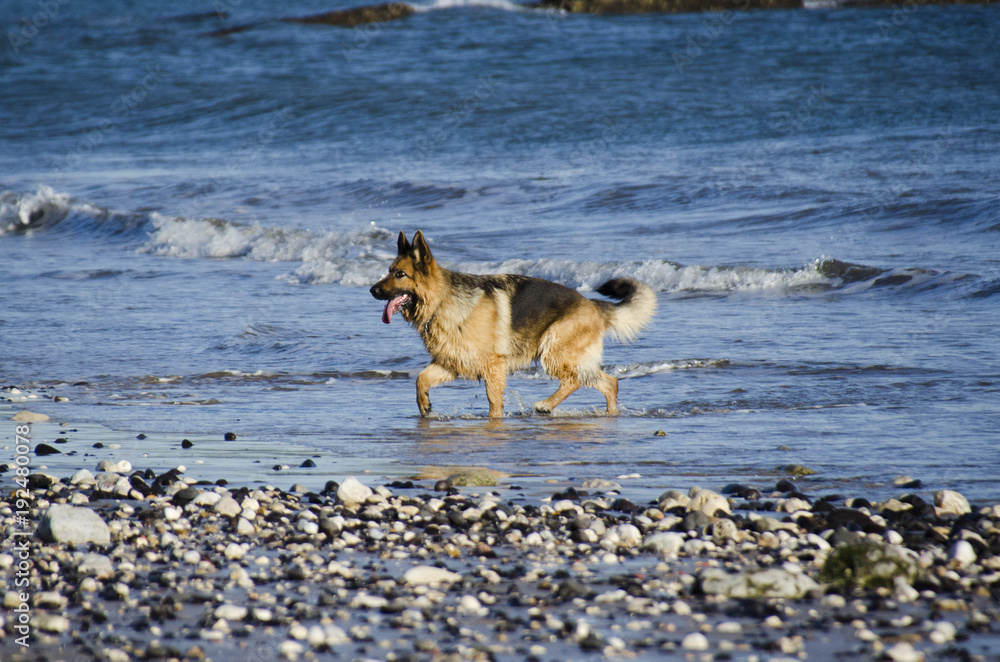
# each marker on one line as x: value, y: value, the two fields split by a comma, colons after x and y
x: 190, y: 225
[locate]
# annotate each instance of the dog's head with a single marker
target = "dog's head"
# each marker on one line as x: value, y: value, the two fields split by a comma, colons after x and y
x: 405, y: 288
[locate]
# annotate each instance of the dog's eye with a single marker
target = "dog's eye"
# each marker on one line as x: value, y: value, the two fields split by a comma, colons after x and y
x: 399, y: 273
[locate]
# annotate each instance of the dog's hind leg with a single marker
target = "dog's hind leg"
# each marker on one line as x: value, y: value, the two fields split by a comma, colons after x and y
x: 567, y: 385
x: 429, y: 377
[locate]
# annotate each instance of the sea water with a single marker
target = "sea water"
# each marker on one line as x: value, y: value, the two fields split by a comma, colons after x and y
x: 189, y: 225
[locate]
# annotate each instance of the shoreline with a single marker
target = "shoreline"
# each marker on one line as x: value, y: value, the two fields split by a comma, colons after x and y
x: 174, y: 565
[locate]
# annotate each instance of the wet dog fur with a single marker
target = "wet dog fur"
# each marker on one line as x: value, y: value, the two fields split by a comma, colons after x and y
x: 484, y: 327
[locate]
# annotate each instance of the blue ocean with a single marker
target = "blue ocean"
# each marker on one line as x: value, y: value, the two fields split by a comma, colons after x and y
x: 189, y: 225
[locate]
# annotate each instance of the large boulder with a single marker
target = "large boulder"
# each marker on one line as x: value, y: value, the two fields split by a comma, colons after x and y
x: 70, y: 524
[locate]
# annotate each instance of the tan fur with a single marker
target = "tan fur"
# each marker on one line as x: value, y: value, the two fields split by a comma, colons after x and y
x: 484, y: 327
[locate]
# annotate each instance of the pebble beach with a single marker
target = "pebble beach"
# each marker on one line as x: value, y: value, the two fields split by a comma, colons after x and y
x: 106, y: 558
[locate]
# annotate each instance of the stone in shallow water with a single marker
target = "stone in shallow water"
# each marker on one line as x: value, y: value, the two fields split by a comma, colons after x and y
x: 473, y: 478
x: 70, y: 524
x: 426, y: 574
x: 25, y: 416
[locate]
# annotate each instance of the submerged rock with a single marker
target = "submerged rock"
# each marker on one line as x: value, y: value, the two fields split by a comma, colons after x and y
x: 473, y: 478
x: 25, y: 416
x: 380, y: 13
x: 662, y: 6
x: 426, y: 574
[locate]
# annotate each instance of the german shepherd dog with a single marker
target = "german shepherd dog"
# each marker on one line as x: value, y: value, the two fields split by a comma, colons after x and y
x: 483, y: 327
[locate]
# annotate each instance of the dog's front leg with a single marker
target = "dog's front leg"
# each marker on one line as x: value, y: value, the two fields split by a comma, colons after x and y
x: 495, y: 377
x: 428, y: 378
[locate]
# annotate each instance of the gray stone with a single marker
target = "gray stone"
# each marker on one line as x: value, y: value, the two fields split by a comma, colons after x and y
x: 428, y: 574
x: 868, y: 564
x: 600, y: 484
x: 962, y: 553
x: 708, y: 502
x: 353, y: 490
x: 106, y: 481
x: 228, y: 507
x: 25, y: 416
x: 71, y: 524
x: 54, y: 623
x: 664, y: 543
x: 95, y: 565
x: 770, y: 583
x: 473, y: 478
x: 949, y: 502
x: 81, y: 476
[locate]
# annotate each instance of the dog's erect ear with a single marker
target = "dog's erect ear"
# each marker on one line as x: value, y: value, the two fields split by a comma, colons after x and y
x: 420, y: 252
x: 402, y: 245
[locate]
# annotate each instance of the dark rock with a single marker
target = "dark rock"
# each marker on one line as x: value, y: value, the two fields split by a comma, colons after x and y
x: 229, y: 436
x: 625, y: 506
x: 186, y: 443
x: 572, y: 589
x: 843, y: 536
x: 139, y: 485
x: 694, y: 521
x: 784, y: 485
x: 185, y: 496
x: 307, y: 464
x: 741, y: 491
x: 44, y: 449
x: 380, y: 13
x: 39, y: 482
x: 661, y: 6
x: 848, y: 517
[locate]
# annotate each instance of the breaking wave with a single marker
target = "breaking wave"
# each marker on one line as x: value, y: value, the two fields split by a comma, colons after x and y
x: 359, y: 257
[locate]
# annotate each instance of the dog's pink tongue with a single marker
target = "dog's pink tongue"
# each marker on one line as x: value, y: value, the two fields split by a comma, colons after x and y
x: 391, y: 306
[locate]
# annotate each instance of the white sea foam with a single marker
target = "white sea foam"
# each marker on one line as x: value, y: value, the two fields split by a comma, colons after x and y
x: 21, y: 213
x: 358, y: 258
x: 350, y: 258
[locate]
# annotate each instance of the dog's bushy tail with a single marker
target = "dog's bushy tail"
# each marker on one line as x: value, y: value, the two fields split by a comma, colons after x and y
x: 636, y: 306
